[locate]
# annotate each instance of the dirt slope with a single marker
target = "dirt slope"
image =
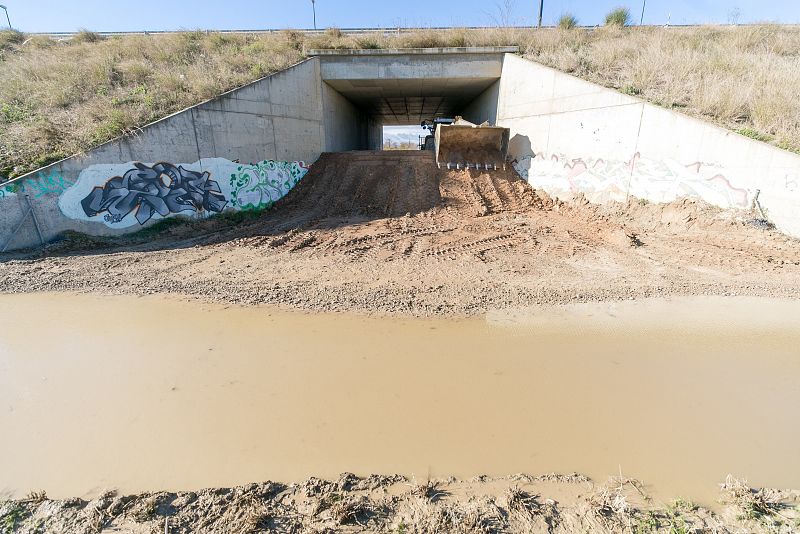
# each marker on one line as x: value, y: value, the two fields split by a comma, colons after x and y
x: 516, y: 504
x: 389, y: 232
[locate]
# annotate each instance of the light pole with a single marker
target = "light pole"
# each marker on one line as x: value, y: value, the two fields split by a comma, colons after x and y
x: 641, y: 21
x: 314, y: 7
x: 8, y: 19
x: 541, y: 8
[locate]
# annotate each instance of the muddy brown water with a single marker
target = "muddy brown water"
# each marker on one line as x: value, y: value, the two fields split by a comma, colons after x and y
x: 155, y: 393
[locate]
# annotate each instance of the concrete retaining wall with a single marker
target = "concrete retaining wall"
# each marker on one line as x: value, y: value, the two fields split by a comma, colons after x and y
x: 570, y: 136
x: 484, y: 108
x: 346, y: 128
x: 247, y: 148
x: 242, y: 150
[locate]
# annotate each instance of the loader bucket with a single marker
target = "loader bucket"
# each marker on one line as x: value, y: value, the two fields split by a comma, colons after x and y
x: 462, y: 146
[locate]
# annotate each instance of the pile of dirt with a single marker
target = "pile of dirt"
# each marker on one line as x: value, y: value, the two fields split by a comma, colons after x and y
x: 390, y: 184
x: 520, y: 503
x: 389, y: 232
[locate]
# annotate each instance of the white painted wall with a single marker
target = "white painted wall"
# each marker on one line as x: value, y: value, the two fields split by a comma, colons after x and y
x: 570, y: 136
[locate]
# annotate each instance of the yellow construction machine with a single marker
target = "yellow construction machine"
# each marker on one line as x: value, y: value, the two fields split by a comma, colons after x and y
x: 460, y: 144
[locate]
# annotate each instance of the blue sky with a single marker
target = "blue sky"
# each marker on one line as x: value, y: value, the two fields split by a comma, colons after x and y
x: 116, y: 15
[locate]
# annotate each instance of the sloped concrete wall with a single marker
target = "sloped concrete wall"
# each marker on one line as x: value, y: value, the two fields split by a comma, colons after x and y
x: 345, y: 126
x: 570, y: 136
x: 245, y: 149
x: 241, y: 150
x: 485, y: 107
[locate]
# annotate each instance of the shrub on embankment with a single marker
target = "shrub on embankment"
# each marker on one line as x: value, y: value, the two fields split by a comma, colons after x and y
x: 62, y: 97
x: 620, y: 16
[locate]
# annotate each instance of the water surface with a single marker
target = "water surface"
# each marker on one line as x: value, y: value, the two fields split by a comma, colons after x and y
x: 156, y: 393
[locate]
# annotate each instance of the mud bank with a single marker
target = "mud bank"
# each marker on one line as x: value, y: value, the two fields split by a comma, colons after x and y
x: 515, y: 504
x: 357, y: 235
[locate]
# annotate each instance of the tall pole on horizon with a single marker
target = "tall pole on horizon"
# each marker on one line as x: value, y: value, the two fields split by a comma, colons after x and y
x: 314, y: 7
x: 541, y: 8
x: 8, y: 19
x: 641, y: 21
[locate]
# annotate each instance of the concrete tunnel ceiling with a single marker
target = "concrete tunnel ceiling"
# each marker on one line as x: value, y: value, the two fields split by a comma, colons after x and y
x: 405, y: 87
x: 410, y: 101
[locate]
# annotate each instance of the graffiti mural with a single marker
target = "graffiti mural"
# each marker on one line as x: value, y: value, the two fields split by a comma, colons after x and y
x: 52, y: 183
x: 9, y: 190
x: 40, y: 185
x: 790, y: 182
x: 131, y: 194
x: 261, y: 185
x: 163, y: 188
x: 603, y: 180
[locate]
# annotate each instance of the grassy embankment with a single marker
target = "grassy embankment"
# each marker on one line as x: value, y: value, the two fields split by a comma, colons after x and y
x: 58, y: 98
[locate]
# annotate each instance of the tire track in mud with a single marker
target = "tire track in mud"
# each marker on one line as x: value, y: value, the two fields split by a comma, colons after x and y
x: 392, y: 198
x: 488, y: 192
x: 478, y: 246
x: 703, y: 249
x: 382, y: 226
x: 397, y: 185
x: 391, y: 206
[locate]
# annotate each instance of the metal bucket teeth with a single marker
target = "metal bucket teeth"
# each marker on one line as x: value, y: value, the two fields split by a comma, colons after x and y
x: 462, y: 146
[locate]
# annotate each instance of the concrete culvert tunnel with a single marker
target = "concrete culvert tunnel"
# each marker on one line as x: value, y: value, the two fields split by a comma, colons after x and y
x: 365, y: 90
x: 246, y: 149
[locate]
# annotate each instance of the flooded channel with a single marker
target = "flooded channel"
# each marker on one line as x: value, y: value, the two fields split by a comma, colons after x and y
x: 153, y: 393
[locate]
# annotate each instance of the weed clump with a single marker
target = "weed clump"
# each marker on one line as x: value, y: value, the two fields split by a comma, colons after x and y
x: 12, y: 517
x: 39, y: 41
x: 619, y: 17
x: 86, y: 36
x: 752, y: 133
x: 753, y: 504
x: 567, y: 21
x: 9, y: 38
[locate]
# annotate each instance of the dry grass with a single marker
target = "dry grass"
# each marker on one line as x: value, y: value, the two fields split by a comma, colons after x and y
x: 742, y: 78
x: 526, y: 511
x: 754, y: 503
x: 60, y: 98
x: 404, y: 145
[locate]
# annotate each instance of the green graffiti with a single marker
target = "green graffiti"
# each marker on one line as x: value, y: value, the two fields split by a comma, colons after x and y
x: 260, y: 185
x: 40, y: 185
x: 49, y: 184
x: 10, y: 189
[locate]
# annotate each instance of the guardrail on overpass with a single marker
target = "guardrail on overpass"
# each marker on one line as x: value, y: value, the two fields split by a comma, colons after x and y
x: 387, y: 30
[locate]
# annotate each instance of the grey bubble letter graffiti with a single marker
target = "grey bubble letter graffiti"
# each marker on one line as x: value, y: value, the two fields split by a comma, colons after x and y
x: 163, y: 188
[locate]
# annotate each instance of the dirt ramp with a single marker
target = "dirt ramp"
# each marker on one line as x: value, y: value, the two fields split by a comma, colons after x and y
x: 376, y: 184
x: 478, y: 193
x: 393, y: 205
x: 386, y: 184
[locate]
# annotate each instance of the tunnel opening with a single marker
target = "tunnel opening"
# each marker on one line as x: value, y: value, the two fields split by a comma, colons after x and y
x: 403, y: 137
x: 377, y: 99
